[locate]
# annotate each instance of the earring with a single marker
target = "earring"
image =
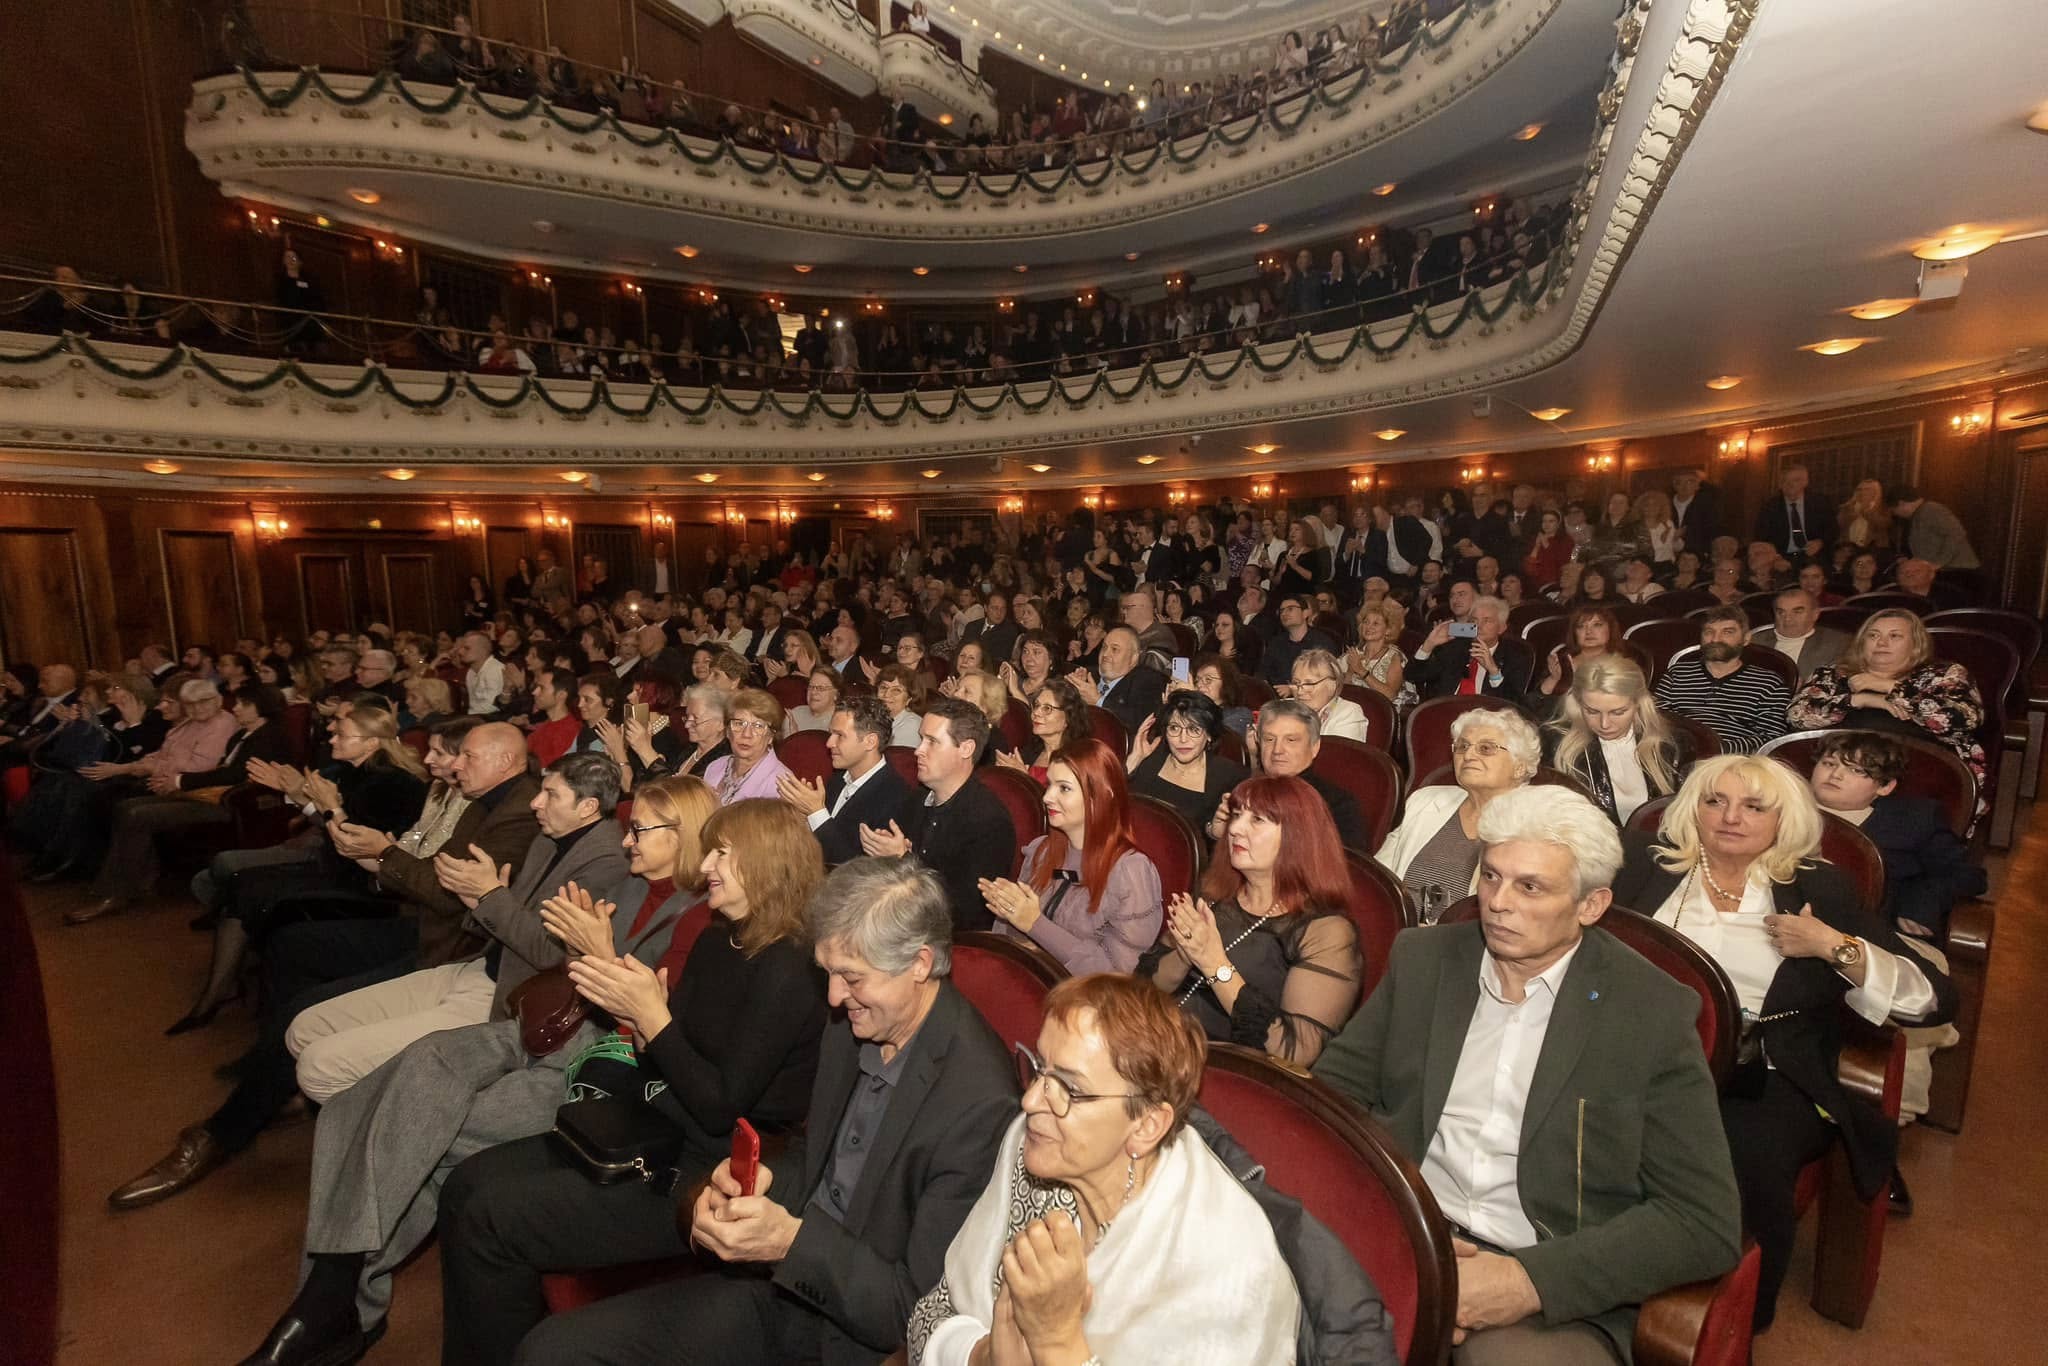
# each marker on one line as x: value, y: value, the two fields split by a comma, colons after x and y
x: 1130, y: 1172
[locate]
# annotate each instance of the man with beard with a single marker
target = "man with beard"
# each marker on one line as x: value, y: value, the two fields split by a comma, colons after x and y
x: 1743, y: 705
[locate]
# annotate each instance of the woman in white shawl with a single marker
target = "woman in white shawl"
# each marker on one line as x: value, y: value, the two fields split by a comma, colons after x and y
x: 1110, y: 1232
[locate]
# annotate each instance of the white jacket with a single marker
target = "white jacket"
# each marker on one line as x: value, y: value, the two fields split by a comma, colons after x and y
x: 1424, y: 814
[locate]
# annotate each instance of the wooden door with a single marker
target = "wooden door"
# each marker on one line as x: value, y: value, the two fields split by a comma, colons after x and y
x: 2025, y: 576
x: 617, y: 546
x: 503, y: 547
x: 327, y: 593
x: 411, y: 599
x: 42, y: 598
x: 692, y: 540
x: 202, y: 588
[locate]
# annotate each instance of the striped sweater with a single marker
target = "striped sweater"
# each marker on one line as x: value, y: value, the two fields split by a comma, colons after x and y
x: 1745, y: 709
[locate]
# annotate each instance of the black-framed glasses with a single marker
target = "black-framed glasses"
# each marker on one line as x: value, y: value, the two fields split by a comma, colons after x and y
x: 638, y: 831
x: 1060, y: 1098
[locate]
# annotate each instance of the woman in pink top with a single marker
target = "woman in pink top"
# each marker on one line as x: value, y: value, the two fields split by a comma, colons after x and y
x: 753, y: 720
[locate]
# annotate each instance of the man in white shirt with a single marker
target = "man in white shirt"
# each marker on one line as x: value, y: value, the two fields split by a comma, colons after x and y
x: 863, y: 789
x: 842, y: 647
x: 1796, y: 634
x: 486, y: 678
x: 1636, y: 584
x: 1550, y: 1085
x: 661, y: 575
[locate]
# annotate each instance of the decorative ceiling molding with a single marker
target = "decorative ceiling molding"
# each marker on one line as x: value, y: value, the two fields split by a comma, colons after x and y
x: 837, y: 42
x: 1135, y: 40
x: 924, y: 75
x: 250, y: 135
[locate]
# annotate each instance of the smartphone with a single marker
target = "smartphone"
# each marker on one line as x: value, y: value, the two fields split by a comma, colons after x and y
x: 1464, y: 630
x: 1180, y: 669
x: 637, y: 711
x: 746, y: 1157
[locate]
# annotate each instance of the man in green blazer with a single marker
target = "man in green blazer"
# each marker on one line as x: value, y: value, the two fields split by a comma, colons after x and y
x: 1549, y: 1083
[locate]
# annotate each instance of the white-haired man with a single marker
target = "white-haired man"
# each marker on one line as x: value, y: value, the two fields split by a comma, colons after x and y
x: 1549, y: 1083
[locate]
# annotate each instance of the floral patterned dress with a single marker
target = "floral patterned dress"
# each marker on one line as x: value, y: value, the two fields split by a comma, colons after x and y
x: 1941, y: 699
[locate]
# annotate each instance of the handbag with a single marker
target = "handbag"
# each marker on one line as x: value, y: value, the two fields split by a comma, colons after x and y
x: 614, y: 1138
x: 550, y: 1010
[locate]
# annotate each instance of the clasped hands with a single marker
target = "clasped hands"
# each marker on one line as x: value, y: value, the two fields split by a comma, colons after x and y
x: 472, y: 878
x: 890, y: 843
x: 1011, y: 902
x: 1044, y: 1298
x: 579, y: 920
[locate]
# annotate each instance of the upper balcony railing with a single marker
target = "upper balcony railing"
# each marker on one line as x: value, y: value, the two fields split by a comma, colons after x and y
x: 1143, y: 160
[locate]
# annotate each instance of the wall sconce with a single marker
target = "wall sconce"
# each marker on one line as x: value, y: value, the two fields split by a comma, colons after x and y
x: 534, y: 277
x: 1973, y: 423
x: 884, y: 512
x: 271, y: 528
x: 663, y: 522
x: 1360, y: 483
x: 871, y: 307
x: 1093, y: 500
x: 1013, y: 505
x: 1006, y: 305
x: 466, y: 525
x: 735, y: 517
x: 384, y: 249
x: 263, y: 225
x: 1262, y: 489
x: 1734, y: 447
x: 1468, y: 474
x: 785, y: 516
x: 1176, y: 496
x: 627, y: 287
x: 554, y: 521
x: 1086, y: 298
x: 1601, y: 463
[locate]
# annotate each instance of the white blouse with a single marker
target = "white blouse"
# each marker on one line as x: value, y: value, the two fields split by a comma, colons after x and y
x: 1625, y: 775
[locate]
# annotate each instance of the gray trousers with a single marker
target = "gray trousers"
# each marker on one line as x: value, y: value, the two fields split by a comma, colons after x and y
x: 130, y: 869
x: 1532, y: 1343
x: 213, y: 882
x: 384, y: 1146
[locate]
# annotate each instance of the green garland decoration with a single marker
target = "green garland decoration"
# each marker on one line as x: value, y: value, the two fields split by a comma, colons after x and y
x: 948, y: 188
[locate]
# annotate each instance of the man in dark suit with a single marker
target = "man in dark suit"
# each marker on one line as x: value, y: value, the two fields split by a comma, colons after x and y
x: 1799, y: 524
x: 1927, y: 868
x: 1795, y: 634
x: 1361, y: 553
x: 768, y: 636
x: 1489, y: 663
x: 1696, y: 511
x: 1156, y: 561
x: 1285, y: 745
x: 951, y: 821
x: 1549, y: 1083
x: 825, y: 1260
x: 1126, y: 689
x: 57, y: 685
x: 864, y: 788
x: 1410, y: 539
x: 1524, y: 521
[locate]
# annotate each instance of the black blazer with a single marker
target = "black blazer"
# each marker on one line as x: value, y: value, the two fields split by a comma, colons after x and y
x: 1591, y: 769
x: 1135, y: 697
x: 1361, y: 555
x: 1439, y: 674
x: 1773, y: 520
x: 1926, y: 868
x: 967, y: 839
x: 878, y: 802
x: 1807, y: 1046
x: 1701, y: 521
x: 1351, y: 831
x: 932, y: 1158
x: 1412, y: 539
x: 266, y: 742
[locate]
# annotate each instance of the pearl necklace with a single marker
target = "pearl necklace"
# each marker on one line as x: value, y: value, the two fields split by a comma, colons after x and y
x: 1718, y: 889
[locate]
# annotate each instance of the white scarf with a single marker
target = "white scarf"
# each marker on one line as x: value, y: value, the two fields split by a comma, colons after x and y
x: 1187, y: 1275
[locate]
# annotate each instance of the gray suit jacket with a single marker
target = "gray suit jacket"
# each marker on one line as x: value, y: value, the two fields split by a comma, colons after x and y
x: 1937, y: 535
x: 511, y: 915
x: 1824, y: 649
x: 1623, y: 1168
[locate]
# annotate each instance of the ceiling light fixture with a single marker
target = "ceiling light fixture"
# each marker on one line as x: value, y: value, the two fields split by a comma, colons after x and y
x: 801, y: 269
x: 920, y: 270
x: 1391, y: 433
x: 1724, y: 381
x: 1879, y: 309
x: 1958, y: 244
x: 1021, y: 269
x: 816, y: 476
x: 688, y: 253
x: 365, y: 196
x: 573, y: 476
x: 1548, y: 414
x: 1130, y: 256
x: 161, y: 467
x: 1837, y: 346
x: 1384, y: 190
x: 1260, y: 227
x: 707, y: 478
x: 945, y: 120
x: 930, y: 474
x: 400, y: 475
x: 1263, y: 448
x: 1148, y: 459
x: 817, y: 60
x: 1527, y: 132
x: 1040, y: 469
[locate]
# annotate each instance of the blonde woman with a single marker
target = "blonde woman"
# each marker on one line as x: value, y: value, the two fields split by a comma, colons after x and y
x: 1736, y: 869
x: 1866, y: 519
x: 1661, y: 535
x: 1609, y: 734
x: 1377, y: 661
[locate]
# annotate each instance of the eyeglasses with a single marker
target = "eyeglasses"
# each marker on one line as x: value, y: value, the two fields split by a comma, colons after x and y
x: 747, y: 727
x: 1485, y: 749
x: 1060, y: 1098
x: 639, y: 832
x: 1177, y: 731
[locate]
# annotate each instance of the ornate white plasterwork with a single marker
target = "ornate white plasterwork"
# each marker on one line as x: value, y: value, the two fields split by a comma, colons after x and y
x: 914, y: 70
x: 845, y: 44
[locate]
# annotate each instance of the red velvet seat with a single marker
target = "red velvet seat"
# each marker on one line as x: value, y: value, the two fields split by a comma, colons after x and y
x: 1932, y: 770
x: 1760, y: 608
x: 1380, y: 718
x: 298, y: 731
x: 1994, y: 663
x: 1104, y: 726
x: 1254, y: 692
x: 1426, y: 737
x: 1174, y: 846
x: 1006, y: 979
x: 14, y: 784
x: 1021, y: 796
x: 1017, y: 726
x: 903, y: 759
x: 1705, y: 743
x: 1230, y: 745
x: 2023, y: 704
x: 1844, y: 618
x: 1369, y: 775
x: 1522, y: 617
x: 1380, y: 909
x: 790, y: 691
x: 1677, y: 602
x: 1662, y: 638
x: 1185, y: 642
x: 1881, y: 599
x: 415, y: 740
x: 1326, y: 1152
x: 806, y: 755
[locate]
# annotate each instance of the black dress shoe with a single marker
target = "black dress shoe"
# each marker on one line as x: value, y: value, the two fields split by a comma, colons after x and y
x: 198, y: 1153
x: 292, y: 1343
x: 52, y: 872
x: 194, y: 1019
x: 1901, y: 1199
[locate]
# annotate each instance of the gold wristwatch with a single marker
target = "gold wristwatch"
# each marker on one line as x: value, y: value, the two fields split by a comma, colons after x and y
x: 1849, y: 952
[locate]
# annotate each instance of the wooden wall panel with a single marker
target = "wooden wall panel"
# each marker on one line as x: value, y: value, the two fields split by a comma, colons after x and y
x: 203, y: 588
x: 413, y: 596
x: 503, y: 547
x: 42, y: 597
x: 327, y: 592
x: 514, y: 21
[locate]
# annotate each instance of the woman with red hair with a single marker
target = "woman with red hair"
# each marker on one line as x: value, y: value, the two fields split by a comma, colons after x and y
x: 1088, y: 897
x: 1267, y: 958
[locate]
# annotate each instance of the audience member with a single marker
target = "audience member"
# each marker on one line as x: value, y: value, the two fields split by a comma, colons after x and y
x: 1285, y: 745
x: 1743, y: 704
x: 1058, y: 718
x: 1796, y: 525
x: 1796, y: 633
x: 1927, y: 867
x: 954, y: 824
x: 1125, y: 686
x: 1173, y: 757
x: 1475, y: 659
x: 1435, y: 849
x: 864, y: 789
x: 1609, y: 735
x: 1318, y: 683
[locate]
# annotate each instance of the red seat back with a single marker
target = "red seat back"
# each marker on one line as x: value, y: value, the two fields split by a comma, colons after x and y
x: 806, y: 755
x: 1542, y: 636
x: 1678, y: 601
x: 1850, y: 850
x: 1329, y: 1154
x: 1662, y: 638
x: 1380, y: 909
x: 1174, y: 846
x: 1719, y: 1022
x: 2017, y: 629
x: 1380, y: 719
x: 1522, y: 617
x: 1006, y: 980
x: 1230, y: 745
x: 415, y: 740
x: 1021, y: 796
x: 1368, y: 774
x: 1994, y: 663
x: 903, y: 759
x: 298, y: 732
x: 1844, y: 618
x: 1426, y: 738
x: 1760, y: 608
x: 790, y: 691
x: 1705, y: 744
x: 1255, y: 692
x: 1185, y: 642
x: 1879, y: 599
x: 1932, y: 770
x: 1017, y: 726
x: 1104, y: 726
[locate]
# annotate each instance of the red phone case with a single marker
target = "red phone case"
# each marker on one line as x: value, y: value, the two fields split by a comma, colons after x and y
x: 746, y: 1157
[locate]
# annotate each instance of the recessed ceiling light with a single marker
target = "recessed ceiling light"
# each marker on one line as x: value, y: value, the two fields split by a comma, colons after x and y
x: 1040, y: 469
x: 1391, y: 433
x: 816, y: 476
x: 573, y: 476
x: 1548, y: 414
x: 1148, y: 459
x: 688, y: 253
x: 1260, y: 227
x: 161, y: 467
x: 945, y: 120
x: 929, y: 474
x: 1263, y: 448
x: 365, y: 196
x: 1958, y: 244
x: 801, y: 270
x: 1384, y: 190
x: 817, y: 61
x: 543, y: 226
x: 1020, y: 269
x: 1724, y: 381
x: 400, y: 475
x: 707, y: 478
x: 1527, y: 132
x: 920, y: 270
x: 1130, y: 256
x: 1879, y: 309
x: 1837, y: 346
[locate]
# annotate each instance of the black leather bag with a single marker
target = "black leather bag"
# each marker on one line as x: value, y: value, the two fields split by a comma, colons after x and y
x: 614, y: 1138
